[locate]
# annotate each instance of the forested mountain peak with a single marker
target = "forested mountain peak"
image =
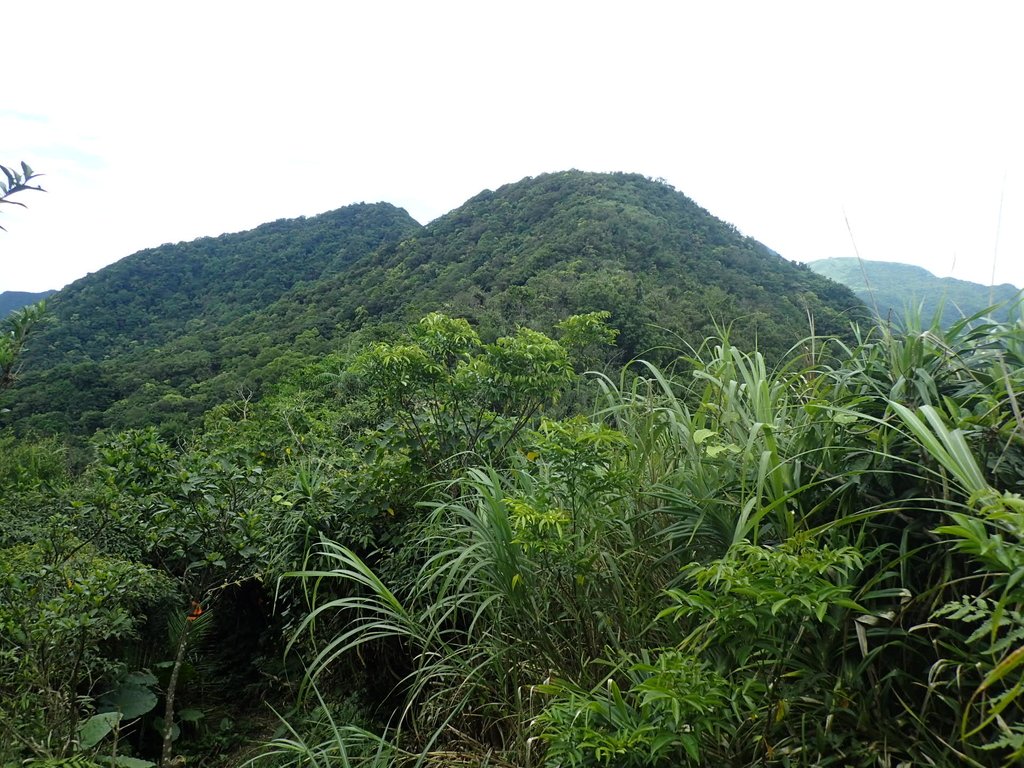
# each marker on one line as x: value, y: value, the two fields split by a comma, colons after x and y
x: 151, y: 296
x: 164, y: 334
x: 533, y: 251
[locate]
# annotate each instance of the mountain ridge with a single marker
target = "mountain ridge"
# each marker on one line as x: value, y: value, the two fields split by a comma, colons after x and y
x: 236, y: 264
x: 164, y: 334
x: 11, y: 301
x: 894, y: 288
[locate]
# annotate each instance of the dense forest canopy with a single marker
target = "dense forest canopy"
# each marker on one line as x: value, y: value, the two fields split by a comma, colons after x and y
x: 574, y: 476
x: 163, y: 335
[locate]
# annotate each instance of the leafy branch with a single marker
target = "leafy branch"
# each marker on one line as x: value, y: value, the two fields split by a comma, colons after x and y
x: 13, y: 331
x: 17, y: 182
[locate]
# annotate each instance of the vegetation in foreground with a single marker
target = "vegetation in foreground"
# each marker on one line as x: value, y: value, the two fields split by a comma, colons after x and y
x: 441, y: 551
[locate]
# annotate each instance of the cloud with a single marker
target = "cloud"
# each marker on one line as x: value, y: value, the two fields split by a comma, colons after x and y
x: 205, y: 118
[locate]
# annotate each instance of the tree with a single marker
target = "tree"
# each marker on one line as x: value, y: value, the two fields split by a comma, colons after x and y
x: 16, y: 328
x: 454, y: 396
x: 13, y: 331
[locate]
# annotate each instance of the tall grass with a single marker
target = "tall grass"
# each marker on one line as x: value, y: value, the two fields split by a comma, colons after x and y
x: 820, y: 564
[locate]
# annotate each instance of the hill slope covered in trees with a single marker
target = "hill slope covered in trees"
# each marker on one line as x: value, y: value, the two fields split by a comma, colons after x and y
x: 163, y: 335
x: 534, y: 251
x: 14, y: 300
x: 446, y: 545
x: 446, y: 552
x: 145, y: 330
x: 894, y: 288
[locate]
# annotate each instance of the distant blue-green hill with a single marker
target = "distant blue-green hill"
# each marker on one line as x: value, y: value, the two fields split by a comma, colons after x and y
x: 12, y: 300
x: 894, y: 288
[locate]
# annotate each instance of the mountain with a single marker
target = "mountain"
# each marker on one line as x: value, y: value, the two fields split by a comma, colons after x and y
x: 13, y: 300
x: 537, y: 250
x: 158, y: 322
x: 164, y: 334
x: 159, y: 295
x: 893, y: 288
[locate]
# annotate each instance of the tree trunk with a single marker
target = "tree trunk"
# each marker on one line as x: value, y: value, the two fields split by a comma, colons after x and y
x: 172, y: 685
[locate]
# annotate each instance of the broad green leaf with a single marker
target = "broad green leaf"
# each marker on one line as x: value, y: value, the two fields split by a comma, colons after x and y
x: 130, y: 700
x: 93, y: 730
x: 142, y: 677
x: 191, y: 715
x: 703, y: 434
x: 691, y: 745
x: 714, y: 451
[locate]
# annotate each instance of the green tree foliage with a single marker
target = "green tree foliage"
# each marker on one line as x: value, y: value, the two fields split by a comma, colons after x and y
x: 448, y: 547
x: 734, y: 567
x: 71, y: 606
x: 454, y: 395
x: 531, y: 252
x: 162, y: 336
x: 14, y: 330
x: 64, y: 609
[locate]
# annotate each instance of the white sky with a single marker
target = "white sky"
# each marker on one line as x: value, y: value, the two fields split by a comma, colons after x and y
x: 160, y: 122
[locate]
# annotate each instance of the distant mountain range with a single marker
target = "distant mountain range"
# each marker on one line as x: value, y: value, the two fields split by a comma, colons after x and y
x: 894, y: 288
x: 12, y: 300
x: 164, y: 334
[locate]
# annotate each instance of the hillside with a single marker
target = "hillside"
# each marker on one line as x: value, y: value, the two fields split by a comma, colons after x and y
x: 444, y: 545
x: 158, y: 295
x: 893, y: 288
x: 164, y: 334
x: 723, y: 565
x: 534, y: 251
x: 12, y: 300
x: 105, y: 338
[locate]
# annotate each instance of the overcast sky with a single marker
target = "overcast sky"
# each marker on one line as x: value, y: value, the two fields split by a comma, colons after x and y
x: 160, y: 122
